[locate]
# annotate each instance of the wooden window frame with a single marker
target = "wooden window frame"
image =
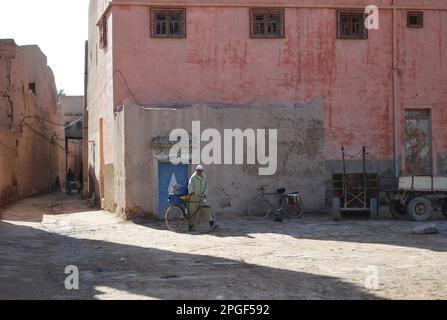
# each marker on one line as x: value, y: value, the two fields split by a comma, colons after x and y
x: 340, y: 34
x: 420, y: 15
x: 153, y: 22
x: 103, y: 32
x: 265, y: 11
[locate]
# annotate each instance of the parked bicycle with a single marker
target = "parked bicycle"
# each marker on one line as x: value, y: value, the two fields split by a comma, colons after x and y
x: 289, y: 205
x: 177, y: 215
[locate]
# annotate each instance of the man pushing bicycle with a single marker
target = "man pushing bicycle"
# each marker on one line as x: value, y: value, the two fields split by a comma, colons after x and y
x: 198, y: 190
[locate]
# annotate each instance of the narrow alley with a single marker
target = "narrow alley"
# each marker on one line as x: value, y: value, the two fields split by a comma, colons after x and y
x: 310, y: 258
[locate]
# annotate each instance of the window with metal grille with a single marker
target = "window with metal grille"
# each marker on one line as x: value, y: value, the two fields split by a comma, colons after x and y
x: 415, y: 19
x: 102, y: 25
x: 267, y: 23
x: 351, y: 25
x: 168, y: 23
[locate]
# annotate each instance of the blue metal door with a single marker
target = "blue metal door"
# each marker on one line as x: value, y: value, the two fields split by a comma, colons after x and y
x: 169, y: 174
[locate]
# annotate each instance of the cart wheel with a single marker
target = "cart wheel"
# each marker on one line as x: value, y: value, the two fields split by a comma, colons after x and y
x: 420, y: 209
x: 336, y: 212
x: 444, y: 209
x: 397, y: 210
x: 374, y: 209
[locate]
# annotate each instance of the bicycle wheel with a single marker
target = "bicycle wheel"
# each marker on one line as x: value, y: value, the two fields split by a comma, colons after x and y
x: 258, y: 209
x: 175, y: 218
x: 293, y: 211
x: 202, y: 220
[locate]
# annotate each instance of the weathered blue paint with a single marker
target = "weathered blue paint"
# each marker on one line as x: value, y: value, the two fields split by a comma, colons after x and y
x: 166, y: 172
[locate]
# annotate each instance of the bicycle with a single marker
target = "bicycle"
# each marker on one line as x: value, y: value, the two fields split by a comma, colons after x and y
x: 290, y: 205
x: 177, y: 215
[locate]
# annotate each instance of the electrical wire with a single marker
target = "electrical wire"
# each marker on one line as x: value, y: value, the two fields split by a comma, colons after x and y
x: 40, y: 118
x: 40, y: 135
x: 127, y: 86
x: 73, y: 123
x: 43, y: 119
x: 55, y: 123
x: 125, y: 82
x: 52, y: 140
x: 43, y: 136
x: 49, y: 139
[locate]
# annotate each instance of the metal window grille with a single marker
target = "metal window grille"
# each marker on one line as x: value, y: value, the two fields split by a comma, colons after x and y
x: 168, y: 23
x: 351, y: 25
x: 267, y: 23
x: 415, y: 19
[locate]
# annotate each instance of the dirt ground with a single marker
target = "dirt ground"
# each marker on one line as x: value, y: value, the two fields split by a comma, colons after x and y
x: 310, y: 258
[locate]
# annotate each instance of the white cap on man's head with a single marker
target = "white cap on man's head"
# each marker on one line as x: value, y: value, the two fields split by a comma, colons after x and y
x: 199, y: 167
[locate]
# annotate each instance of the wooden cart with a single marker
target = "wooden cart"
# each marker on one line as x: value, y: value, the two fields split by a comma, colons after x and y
x: 416, y: 196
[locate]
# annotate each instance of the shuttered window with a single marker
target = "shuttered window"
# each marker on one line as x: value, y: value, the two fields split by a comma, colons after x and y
x: 103, y: 32
x: 267, y: 23
x: 168, y: 23
x: 351, y: 25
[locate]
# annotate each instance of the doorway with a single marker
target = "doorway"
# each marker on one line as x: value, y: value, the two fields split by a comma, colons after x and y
x: 169, y: 175
x: 101, y: 157
x: 418, y: 142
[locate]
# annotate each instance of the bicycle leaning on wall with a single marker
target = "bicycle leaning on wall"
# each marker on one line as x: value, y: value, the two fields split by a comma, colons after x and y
x: 289, y: 205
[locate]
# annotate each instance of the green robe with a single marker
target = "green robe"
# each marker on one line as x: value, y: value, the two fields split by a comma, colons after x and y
x: 199, y: 185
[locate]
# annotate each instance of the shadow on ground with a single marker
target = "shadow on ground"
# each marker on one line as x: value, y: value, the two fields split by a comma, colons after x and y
x: 355, y: 227
x: 33, y: 263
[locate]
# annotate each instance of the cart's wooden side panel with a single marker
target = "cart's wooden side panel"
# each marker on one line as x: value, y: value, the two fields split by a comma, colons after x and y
x: 423, y: 184
x: 440, y: 183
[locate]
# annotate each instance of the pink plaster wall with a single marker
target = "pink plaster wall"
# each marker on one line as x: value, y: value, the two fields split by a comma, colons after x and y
x: 100, y: 85
x: 219, y: 62
x: 423, y: 78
